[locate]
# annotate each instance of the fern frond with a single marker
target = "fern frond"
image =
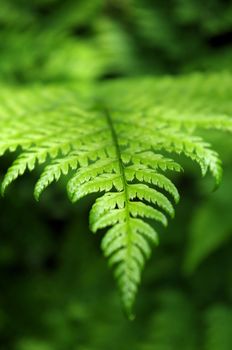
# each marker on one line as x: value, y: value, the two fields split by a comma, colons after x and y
x: 115, y: 140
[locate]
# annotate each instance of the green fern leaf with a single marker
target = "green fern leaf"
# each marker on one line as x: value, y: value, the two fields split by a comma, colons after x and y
x: 114, y: 139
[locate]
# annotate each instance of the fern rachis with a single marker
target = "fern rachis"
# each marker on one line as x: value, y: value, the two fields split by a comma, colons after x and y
x: 119, y: 149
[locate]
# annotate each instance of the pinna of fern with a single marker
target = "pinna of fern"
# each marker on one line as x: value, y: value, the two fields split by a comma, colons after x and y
x: 114, y: 139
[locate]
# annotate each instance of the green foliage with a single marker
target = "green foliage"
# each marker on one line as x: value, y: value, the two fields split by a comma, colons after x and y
x: 172, y: 325
x: 202, y: 240
x: 62, y: 41
x: 218, y: 322
x: 117, y: 147
x: 94, y: 101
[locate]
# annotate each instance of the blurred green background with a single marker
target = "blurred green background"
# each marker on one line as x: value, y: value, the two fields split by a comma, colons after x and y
x: 56, y: 292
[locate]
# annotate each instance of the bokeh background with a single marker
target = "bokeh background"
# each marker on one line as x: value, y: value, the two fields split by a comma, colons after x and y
x: 56, y: 291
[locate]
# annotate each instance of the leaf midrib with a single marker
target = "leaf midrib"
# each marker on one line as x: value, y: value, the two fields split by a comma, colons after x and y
x: 124, y: 181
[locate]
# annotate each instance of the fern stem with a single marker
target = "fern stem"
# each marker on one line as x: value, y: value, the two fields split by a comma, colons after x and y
x: 121, y: 165
x: 125, y: 189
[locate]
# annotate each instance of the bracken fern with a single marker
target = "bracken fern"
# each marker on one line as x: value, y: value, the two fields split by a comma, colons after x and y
x: 117, y: 139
